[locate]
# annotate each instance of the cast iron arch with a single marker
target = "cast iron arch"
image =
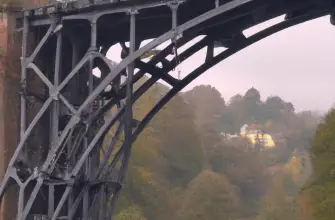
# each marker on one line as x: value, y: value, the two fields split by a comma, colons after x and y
x: 130, y: 61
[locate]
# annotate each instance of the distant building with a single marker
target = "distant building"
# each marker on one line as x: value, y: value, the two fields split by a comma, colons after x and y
x: 230, y: 136
x: 243, y: 130
x: 264, y: 140
x: 255, y: 135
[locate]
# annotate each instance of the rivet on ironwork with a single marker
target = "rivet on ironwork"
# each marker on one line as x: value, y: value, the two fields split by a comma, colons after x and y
x: 174, y: 8
x: 23, y: 88
x: 58, y: 28
x: 23, y: 61
x: 76, y: 118
x: 217, y: 3
x: 54, y: 94
x: 27, y: 13
x: 132, y: 11
x: 70, y: 181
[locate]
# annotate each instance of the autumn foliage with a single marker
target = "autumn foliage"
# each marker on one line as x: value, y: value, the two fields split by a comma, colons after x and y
x: 182, y: 167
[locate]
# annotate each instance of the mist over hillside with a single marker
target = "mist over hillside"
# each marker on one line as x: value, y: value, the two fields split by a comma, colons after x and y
x: 193, y: 161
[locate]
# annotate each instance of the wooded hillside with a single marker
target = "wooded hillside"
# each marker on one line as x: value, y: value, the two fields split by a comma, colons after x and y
x: 182, y: 167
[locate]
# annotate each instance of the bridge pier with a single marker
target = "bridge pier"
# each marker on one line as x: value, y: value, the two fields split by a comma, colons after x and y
x: 9, y: 103
x: 48, y: 56
x: 10, y: 89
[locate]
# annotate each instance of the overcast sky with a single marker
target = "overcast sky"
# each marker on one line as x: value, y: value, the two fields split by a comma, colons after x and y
x: 297, y: 64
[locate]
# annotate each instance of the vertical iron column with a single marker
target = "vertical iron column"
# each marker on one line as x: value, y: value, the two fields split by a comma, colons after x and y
x: 55, y: 115
x: 88, y: 162
x: 174, y: 8
x: 217, y: 3
x: 23, y: 107
x: 23, y: 100
x: 129, y: 97
x: 128, y: 115
x: 55, y: 107
x: 70, y: 145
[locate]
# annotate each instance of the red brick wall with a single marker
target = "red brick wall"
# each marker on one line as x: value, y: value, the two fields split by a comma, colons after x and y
x: 3, y: 40
x: 39, y: 3
x: 10, y: 52
x: 3, y: 49
x: 10, y: 47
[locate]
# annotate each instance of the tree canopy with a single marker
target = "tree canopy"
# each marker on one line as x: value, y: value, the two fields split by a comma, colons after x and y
x: 182, y: 167
x: 319, y: 194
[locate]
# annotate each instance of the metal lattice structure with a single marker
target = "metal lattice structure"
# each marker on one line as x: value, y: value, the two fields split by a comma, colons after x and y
x: 57, y: 168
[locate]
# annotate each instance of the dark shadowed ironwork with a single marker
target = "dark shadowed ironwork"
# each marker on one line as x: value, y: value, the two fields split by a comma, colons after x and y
x: 59, y: 165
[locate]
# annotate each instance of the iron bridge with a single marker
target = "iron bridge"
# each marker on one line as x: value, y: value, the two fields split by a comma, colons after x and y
x: 59, y: 169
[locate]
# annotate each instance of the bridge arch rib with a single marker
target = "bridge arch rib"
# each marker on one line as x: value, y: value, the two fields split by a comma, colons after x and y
x: 81, y: 139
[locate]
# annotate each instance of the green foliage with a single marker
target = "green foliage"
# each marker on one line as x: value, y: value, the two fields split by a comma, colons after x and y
x: 276, y: 205
x: 131, y: 213
x: 179, y: 142
x: 208, y: 106
x: 253, y: 95
x: 244, y: 169
x: 322, y: 186
x: 209, y: 196
x: 166, y: 156
x: 183, y: 168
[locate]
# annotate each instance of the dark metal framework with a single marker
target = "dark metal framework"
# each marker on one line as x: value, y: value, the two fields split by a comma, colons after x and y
x: 70, y: 178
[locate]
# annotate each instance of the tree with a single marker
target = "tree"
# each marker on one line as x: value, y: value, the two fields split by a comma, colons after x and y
x: 321, y: 189
x: 166, y: 178
x: 207, y: 103
x: 289, y: 107
x: 166, y: 156
x: 209, y: 196
x: 276, y: 205
x: 244, y: 169
x: 253, y: 95
x: 253, y: 106
x: 131, y: 213
x: 235, y: 99
x: 275, y: 102
x: 209, y: 107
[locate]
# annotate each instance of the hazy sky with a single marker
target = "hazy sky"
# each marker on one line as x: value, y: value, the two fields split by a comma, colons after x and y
x: 297, y: 64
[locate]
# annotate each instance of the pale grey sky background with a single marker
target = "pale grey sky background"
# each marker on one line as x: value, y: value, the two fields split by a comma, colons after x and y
x: 298, y: 64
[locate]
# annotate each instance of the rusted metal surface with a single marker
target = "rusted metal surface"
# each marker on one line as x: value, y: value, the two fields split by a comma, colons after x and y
x: 3, y: 49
